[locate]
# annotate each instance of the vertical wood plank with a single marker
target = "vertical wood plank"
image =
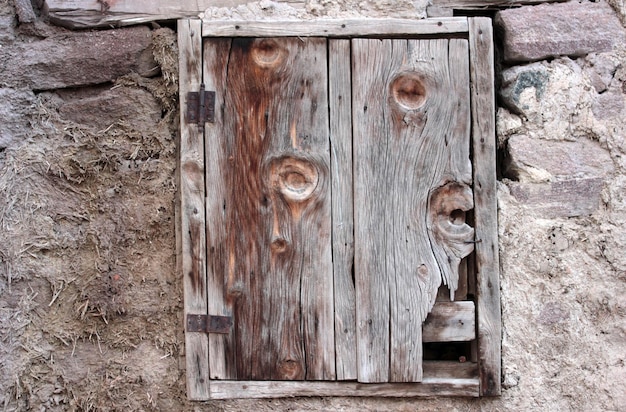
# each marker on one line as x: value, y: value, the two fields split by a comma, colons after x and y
x: 342, y: 207
x: 278, y: 262
x: 484, y: 151
x: 411, y: 139
x: 192, y: 192
x: 222, y: 359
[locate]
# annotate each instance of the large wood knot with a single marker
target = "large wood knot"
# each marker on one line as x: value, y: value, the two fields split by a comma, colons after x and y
x: 452, y: 238
x: 296, y: 179
x: 268, y: 53
x: 409, y: 90
x: 290, y: 369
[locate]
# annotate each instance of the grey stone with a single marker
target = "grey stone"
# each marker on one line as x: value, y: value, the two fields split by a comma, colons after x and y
x: 14, y: 115
x: 520, y: 78
x: 537, y: 160
x: 101, y: 108
x: 570, y: 198
x: 564, y: 29
x: 77, y: 59
x: 609, y: 105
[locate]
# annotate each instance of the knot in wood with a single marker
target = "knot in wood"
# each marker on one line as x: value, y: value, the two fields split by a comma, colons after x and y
x: 409, y: 90
x: 296, y: 179
x: 267, y: 53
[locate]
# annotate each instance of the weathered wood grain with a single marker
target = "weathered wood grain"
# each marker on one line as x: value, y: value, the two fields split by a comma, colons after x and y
x: 485, y: 214
x: 191, y: 187
x: 334, y: 27
x: 215, y: 62
x: 411, y: 136
x: 81, y: 14
x: 440, y: 379
x: 450, y: 322
x: 340, y: 104
x: 277, y: 210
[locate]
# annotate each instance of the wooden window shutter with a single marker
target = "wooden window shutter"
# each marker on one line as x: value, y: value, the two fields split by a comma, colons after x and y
x: 332, y: 180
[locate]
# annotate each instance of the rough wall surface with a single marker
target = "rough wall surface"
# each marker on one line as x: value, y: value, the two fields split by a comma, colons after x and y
x: 91, y: 307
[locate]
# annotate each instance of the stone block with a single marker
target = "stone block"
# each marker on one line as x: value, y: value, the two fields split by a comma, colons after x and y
x: 533, y: 160
x: 100, y: 108
x: 77, y: 59
x: 570, y: 198
x: 565, y: 29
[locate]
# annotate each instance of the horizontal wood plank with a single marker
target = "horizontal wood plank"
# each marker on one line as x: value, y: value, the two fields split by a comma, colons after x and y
x: 334, y: 27
x: 82, y: 14
x: 450, y: 322
x: 272, y: 389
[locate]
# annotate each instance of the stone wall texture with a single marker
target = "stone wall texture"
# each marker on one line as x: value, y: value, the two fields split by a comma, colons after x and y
x: 90, y: 302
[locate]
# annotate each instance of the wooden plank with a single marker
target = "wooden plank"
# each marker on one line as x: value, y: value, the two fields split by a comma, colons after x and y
x: 485, y: 214
x: 334, y: 27
x: 411, y: 136
x: 450, y: 322
x: 278, y: 259
x: 215, y: 61
x: 441, y: 379
x: 342, y: 205
x: 191, y: 186
x: 82, y: 14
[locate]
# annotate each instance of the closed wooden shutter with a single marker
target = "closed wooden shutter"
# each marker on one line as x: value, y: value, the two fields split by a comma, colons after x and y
x: 338, y: 190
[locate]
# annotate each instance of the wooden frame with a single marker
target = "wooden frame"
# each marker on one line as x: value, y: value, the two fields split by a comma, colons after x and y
x: 440, y: 379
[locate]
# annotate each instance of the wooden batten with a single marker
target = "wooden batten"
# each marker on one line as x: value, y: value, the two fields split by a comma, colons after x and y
x: 440, y: 379
x: 486, y: 212
x: 334, y: 27
x: 192, y: 221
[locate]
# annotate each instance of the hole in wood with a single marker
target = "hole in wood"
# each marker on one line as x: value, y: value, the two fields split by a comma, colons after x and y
x: 457, y: 217
x: 295, y: 178
x: 267, y: 53
x: 409, y: 91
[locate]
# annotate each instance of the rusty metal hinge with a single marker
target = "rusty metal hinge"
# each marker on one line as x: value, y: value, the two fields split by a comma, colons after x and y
x: 201, y: 107
x: 209, y: 324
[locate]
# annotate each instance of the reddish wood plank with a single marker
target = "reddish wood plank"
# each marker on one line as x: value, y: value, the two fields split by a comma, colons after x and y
x: 277, y: 260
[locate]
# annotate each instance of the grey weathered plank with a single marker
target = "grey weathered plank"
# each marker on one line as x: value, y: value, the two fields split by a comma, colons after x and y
x: 192, y: 211
x: 343, y: 223
x: 411, y: 137
x: 215, y: 61
x: 81, y: 14
x: 440, y: 379
x: 450, y: 322
x: 277, y: 212
x: 485, y: 215
x: 334, y: 27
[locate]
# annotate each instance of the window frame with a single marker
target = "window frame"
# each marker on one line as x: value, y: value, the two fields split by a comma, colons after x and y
x: 191, y: 233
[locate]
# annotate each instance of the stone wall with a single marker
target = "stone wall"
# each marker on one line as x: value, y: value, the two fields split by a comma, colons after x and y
x: 91, y: 306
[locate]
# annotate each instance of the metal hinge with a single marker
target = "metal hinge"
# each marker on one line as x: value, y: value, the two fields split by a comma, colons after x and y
x: 209, y: 324
x: 201, y: 107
